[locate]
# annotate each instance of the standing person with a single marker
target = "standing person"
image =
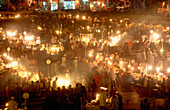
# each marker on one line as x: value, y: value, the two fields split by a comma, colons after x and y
x: 77, y: 93
x: 120, y: 103
x: 113, y: 76
x: 145, y: 104
x: 8, y: 90
x: 75, y: 62
x: 12, y: 104
x: 94, y: 89
x: 149, y: 86
x: 114, y: 102
x: 152, y: 83
x: 163, y: 88
x: 168, y: 86
x: 55, y: 84
x: 145, y: 84
x: 102, y: 100
x: 83, y: 95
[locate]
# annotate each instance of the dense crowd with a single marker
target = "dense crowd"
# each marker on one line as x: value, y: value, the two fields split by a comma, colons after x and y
x: 87, y: 65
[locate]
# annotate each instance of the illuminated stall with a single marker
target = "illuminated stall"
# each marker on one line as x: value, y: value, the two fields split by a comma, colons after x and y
x: 54, y: 5
x: 97, y: 5
x: 69, y: 4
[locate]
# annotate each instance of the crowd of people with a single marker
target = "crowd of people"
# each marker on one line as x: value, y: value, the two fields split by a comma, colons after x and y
x: 87, y: 64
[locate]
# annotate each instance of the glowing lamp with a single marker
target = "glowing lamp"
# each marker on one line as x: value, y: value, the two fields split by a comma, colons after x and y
x: 39, y: 28
x: 17, y: 16
x: 155, y: 35
x: 6, y: 104
x: 102, y: 5
x: 168, y: 70
x: 151, y: 31
x: 84, y: 39
x: 109, y: 62
x: 104, y: 88
x: 24, y: 32
x: 158, y: 68
x: 161, y: 50
x: 90, y: 55
x: 98, y: 30
x: 129, y: 66
x: 4, y: 54
x: 29, y: 38
x: 118, y: 32
x: 15, y: 63
x: 77, y: 16
x: 132, y: 68
x: 149, y: 67
x: 121, y: 62
x: 83, y: 17
x: 10, y: 58
x: 91, y: 5
x: 61, y: 82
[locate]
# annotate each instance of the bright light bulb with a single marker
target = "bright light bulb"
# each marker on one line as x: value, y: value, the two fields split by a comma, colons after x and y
x: 129, y: 66
x: 98, y: 30
x: 10, y: 58
x: 121, y: 62
x: 4, y: 54
x: 6, y: 104
x: 109, y: 62
x: 149, y: 67
x: 151, y: 31
x: 118, y: 32
x: 132, y: 68
x: 83, y: 17
x: 158, y: 68
x: 168, y: 70
x: 90, y: 55
x: 24, y: 32
x: 156, y: 35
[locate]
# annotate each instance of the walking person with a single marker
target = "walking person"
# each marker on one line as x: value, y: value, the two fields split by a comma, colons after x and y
x: 94, y: 89
x: 114, y: 102
x: 102, y: 100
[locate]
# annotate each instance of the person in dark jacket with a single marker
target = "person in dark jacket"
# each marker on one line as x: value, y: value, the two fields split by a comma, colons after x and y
x: 94, y: 89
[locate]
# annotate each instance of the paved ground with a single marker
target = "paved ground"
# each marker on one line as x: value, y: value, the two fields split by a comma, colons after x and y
x: 131, y: 99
